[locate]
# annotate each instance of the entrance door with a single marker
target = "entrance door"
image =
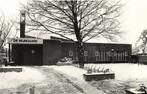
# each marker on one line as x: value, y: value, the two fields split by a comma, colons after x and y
x: 32, y: 55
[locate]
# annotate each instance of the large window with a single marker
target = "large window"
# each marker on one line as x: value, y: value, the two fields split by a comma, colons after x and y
x: 70, y: 53
x: 115, y: 56
x: 126, y: 55
x: 108, y: 55
x: 104, y: 56
x: 85, y: 56
x: 97, y: 55
x: 85, y: 53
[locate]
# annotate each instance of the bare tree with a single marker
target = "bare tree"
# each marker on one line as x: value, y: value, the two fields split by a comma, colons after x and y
x: 78, y: 20
x: 5, y: 30
x: 141, y: 43
x: 6, y: 26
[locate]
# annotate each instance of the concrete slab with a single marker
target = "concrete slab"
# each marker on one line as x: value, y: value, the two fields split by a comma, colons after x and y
x: 98, y: 76
x: 9, y: 69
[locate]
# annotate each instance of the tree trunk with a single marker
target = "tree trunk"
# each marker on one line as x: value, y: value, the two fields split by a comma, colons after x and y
x: 80, y: 50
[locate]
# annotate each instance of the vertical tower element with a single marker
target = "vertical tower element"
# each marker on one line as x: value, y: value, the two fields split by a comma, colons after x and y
x: 22, y: 24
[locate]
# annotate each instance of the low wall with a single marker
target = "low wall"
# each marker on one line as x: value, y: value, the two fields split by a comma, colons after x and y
x: 5, y: 69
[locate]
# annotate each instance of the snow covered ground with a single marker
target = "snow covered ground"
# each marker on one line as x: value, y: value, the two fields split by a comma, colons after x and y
x: 125, y: 72
x: 127, y: 75
x: 71, y: 71
x: 14, y: 79
x: 75, y: 76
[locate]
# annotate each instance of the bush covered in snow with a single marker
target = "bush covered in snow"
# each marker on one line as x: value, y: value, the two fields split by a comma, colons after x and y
x: 65, y: 61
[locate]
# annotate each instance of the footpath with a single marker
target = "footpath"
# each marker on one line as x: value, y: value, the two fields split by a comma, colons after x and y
x: 75, y: 76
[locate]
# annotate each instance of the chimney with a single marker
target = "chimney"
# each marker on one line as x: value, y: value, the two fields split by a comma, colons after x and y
x: 22, y: 24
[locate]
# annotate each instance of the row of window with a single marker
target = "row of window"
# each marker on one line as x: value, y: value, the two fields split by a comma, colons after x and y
x: 105, y: 56
x: 97, y: 53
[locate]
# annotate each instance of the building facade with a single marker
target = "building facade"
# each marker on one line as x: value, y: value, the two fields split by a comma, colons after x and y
x: 30, y: 51
x: 99, y: 52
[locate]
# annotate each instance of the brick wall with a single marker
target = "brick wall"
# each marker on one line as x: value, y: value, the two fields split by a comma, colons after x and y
x: 51, y: 51
x: 99, y: 52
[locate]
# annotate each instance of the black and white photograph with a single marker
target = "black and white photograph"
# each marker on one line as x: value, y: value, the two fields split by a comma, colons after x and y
x: 73, y: 46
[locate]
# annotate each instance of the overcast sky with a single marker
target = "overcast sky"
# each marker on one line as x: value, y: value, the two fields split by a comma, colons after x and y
x: 133, y: 21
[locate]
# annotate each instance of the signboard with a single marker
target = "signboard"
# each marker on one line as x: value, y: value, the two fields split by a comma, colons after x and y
x: 26, y: 41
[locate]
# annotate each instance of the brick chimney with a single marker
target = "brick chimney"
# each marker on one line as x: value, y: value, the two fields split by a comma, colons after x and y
x: 22, y: 24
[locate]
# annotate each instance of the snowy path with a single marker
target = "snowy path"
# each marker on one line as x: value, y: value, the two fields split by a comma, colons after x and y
x: 75, y: 75
x: 55, y: 83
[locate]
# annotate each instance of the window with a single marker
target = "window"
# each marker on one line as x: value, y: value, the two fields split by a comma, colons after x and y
x: 70, y: 53
x: 104, y: 59
x: 97, y: 53
x: 123, y: 56
x: 106, y: 56
x: 85, y: 53
x: 126, y: 53
x: 108, y: 53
